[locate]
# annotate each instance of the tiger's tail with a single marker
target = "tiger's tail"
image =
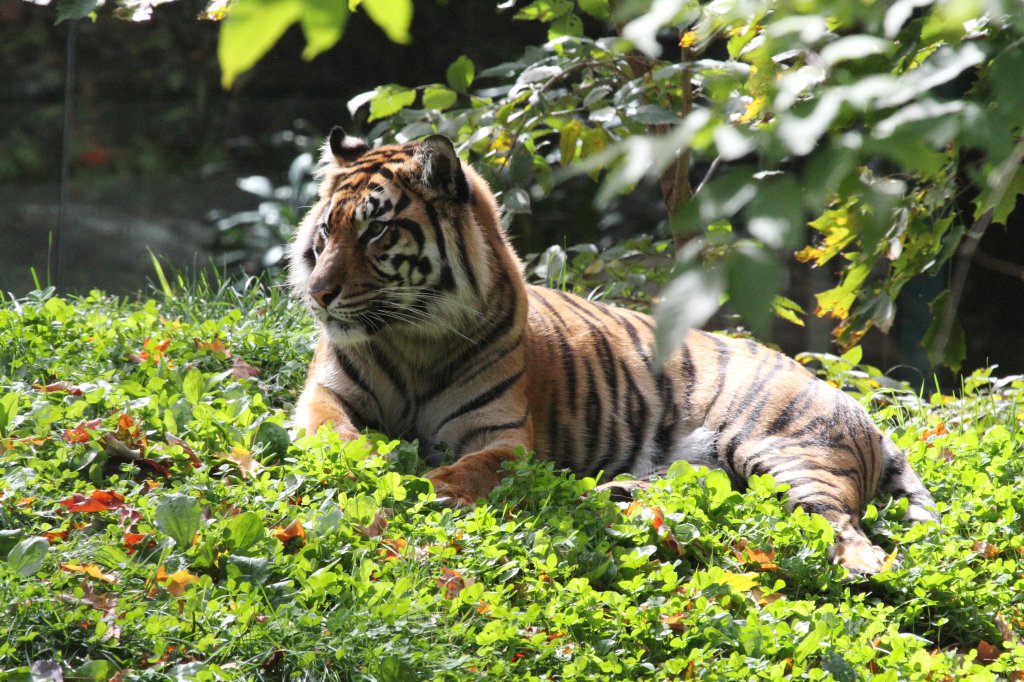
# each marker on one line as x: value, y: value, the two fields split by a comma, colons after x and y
x: 900, y: 480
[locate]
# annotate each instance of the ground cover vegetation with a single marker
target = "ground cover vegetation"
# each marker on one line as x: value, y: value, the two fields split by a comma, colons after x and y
x: 158, y: 522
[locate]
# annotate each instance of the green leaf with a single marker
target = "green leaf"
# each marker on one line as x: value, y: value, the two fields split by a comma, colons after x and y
x: 94, y: 671
x: 439, y: 98
x: 8, y: 411
x: 544, y: 10
x: 809, y: 644
x: 323, y: 24
x: 244, y: 531
x: 194, y: 386
x: 1001, y: 206
x: 775, y: 215
x: 165, y: 286
x: 27, y: 556
x: 393, y: 16
x: 755, y: 277
x: 272, y: 438
x: 250, y: 30
x: 389, y: 100
x: 568, y: 137
x: 177, y: 515
x: 460, y: 74
x: 596, y: 8
x: 788, y: 310
x: 361, y: 509
x: 566, y: 25
x: 75, y: 9
x: 689, y: 301
x: 952, y: 353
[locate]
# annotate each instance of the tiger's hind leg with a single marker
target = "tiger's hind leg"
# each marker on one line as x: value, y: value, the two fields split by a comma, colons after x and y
x: 900, y: 480
x: 825, y: 488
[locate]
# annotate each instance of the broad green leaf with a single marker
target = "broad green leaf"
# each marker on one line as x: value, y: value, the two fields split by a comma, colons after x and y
x: 361, y: 509
x: 194, y: 386
x: 1001, y: 206
x: 8, y: 411
x: 755, y: 277
x: 568, y: 137
x: 94, y: 671
x: 809, y: 644
x: 775, y: 215
x: 837, y: 301
x: 544, y: 10
x: 273, y: 439
x: 596, y: 8
x: 439, y: 98
x: 788, y: 310
x: 460, y: 74
x: 323, y: 24
x: 388, y: 100
x: 566, y: 25
x: 250, y: 30
x: 27, y: 556
x: 244, y: 530
x: 854, y: 355
x: 393, y: 16
x: 177, y: 515
x: 689, y: 301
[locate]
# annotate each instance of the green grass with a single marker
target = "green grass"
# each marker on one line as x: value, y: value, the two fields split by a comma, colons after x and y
x: 193, y: 565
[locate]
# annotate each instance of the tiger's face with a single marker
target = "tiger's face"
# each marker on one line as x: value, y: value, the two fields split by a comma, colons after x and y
x: 370, y: 255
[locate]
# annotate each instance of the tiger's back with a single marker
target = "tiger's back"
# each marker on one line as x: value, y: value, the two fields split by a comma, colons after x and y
x: 430, y: 332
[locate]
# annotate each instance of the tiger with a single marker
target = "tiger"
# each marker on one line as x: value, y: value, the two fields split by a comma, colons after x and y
x: 429, y: 330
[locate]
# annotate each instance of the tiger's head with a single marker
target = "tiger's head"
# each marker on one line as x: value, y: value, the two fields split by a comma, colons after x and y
x: 402, y: 235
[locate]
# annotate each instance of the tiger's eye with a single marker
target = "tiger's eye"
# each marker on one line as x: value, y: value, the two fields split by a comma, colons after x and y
x: 375, y: 229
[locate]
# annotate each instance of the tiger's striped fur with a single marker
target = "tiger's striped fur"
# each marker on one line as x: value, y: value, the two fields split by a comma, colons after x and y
x: 431, y: 332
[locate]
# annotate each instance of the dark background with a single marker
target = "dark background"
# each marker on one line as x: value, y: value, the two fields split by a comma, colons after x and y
x: 157, y: 145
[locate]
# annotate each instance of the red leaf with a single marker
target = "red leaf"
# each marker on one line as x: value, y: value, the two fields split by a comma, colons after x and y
x: 939, y: 430
x: 55, y: 536
x: 392, y: 549
x: 292, y: 531
x: 240, y: 369
x: 80, y: 434
x: 985, y: 549
x: 193, y: 458
x: 215, y: 346
x: 986, y: 653
x: 100, y: 500
x: 451, y: 582
x: 59, y: 386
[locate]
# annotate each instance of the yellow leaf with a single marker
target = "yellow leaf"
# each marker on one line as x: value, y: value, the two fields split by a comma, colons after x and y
x: 741, y: 582
x: 243, y: 458
x: 176, y: 582
x: 688, y: 39
x: 91, y: 570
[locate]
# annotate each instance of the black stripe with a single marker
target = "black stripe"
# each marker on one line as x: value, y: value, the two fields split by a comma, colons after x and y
x: 357, y: 418
x: 413, y: 228
x: 447, y: 278
x: 468, y: 437
x: 402, y: 203
x: 488, y: 396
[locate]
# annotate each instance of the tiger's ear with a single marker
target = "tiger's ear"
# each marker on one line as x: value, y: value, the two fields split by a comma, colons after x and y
x: 441, y: 169
x: 345, y: 148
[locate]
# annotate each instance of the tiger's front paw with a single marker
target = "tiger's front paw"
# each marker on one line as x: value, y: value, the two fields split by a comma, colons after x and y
x: 454, y: 488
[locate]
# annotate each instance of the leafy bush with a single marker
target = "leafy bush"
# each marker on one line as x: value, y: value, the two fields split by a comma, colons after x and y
x: 157, y: 522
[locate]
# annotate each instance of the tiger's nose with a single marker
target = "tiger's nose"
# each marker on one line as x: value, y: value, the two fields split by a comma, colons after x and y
x: 324, y: 296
